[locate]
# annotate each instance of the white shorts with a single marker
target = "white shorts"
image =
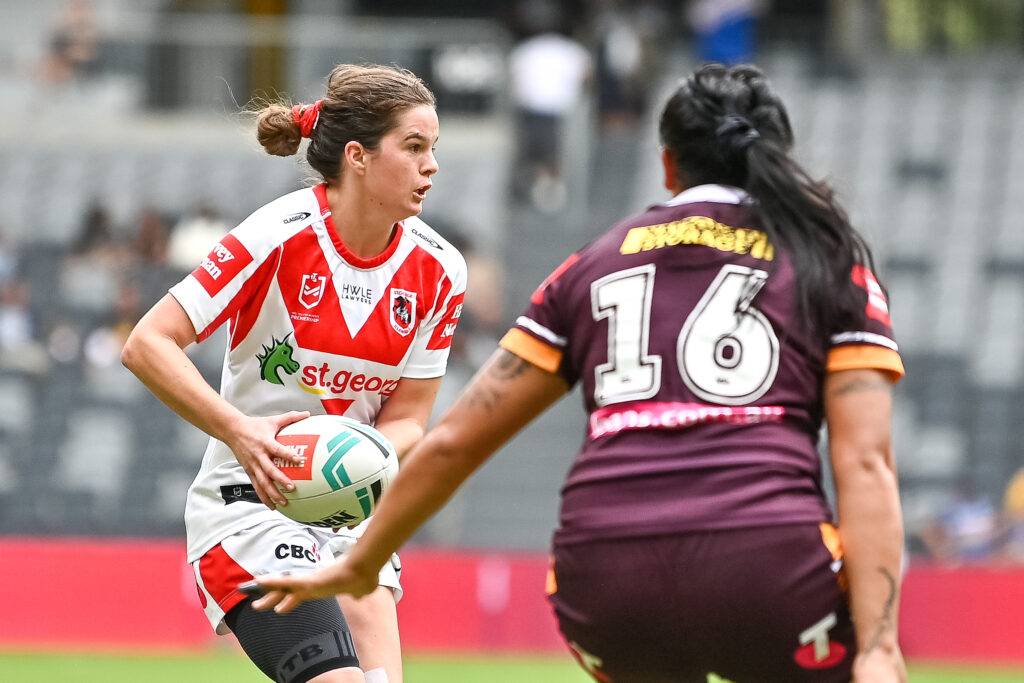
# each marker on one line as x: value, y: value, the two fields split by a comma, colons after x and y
x: 276, y: 547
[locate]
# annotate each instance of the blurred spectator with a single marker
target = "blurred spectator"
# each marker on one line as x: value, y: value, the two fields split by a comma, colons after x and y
x: 193, y: 237
x: 152, y: 273
x: 95, y: 265
x: 1013, y: 510
x: 151, y: 237
x: 967, y: 529
x: 96, y: 233
x: 548, y: 72
x: 621, y: 77
x: 73, y: 50
x: 725, y: 30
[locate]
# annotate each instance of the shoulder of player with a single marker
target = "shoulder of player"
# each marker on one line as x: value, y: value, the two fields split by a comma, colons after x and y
x: 435, y: 246
x: 276, y: 221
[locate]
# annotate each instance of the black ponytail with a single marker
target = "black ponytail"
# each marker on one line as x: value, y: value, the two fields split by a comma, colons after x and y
x: 725, y: 125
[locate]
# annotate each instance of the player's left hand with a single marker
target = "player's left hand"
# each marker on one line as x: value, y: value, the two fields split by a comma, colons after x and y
x: 285, y: 593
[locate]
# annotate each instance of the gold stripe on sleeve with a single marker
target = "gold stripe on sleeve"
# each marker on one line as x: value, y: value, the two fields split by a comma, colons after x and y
x: 866, y: 357
x: 531, y: 349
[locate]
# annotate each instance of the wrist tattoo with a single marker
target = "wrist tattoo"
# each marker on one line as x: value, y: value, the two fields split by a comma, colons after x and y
x: 886, y: 623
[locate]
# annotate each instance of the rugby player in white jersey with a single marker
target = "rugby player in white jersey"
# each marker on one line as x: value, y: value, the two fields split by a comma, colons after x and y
x: 338, y: 300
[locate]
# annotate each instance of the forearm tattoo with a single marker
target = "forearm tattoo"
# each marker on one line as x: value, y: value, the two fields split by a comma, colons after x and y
x: 487, y: 390
x: 886, y: 623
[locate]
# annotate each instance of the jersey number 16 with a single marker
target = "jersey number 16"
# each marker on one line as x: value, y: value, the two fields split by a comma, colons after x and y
x: 726, y: 351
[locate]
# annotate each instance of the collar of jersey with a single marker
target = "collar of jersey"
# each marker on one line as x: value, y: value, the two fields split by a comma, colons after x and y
x: 722, y: 194
x: 325, y: 213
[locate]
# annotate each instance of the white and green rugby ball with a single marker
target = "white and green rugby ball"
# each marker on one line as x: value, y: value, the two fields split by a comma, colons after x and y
x: 346, y: 468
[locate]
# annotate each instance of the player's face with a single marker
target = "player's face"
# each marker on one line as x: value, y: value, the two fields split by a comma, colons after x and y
x: 399, y: 170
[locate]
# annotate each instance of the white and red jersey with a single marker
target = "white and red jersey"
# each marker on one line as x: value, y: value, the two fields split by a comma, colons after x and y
x: 311, y: 326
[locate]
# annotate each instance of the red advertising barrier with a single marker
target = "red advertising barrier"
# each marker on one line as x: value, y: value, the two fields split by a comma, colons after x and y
x: 140, y: 594
x: 963, y: 614
x: 118, y: 594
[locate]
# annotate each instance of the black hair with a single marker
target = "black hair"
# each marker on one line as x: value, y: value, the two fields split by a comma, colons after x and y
x: 726, y: 125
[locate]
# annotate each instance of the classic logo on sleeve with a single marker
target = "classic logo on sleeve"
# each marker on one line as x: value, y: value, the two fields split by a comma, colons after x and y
x: 222, y: 264
x: 403, y: 310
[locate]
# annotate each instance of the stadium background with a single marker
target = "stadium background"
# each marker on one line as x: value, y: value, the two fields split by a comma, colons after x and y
x: 118, y: 168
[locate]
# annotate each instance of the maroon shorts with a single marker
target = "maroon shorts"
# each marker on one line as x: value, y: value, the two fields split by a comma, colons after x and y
x: 758, y: 604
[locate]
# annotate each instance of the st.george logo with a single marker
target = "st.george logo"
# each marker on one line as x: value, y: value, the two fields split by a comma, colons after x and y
x: 403, y: 310
x: 311, y: 291
x: 277, y: 356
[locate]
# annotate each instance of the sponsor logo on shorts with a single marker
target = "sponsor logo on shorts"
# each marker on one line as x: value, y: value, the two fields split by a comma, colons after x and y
x: 286, y: 550
x: 817, y: 650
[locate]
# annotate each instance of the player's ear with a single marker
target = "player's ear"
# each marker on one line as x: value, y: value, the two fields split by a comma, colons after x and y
x: 668, y: 164
x: 355, y: 156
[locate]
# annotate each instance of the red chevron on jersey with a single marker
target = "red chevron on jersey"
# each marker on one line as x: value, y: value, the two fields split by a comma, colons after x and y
x: 319, y: 321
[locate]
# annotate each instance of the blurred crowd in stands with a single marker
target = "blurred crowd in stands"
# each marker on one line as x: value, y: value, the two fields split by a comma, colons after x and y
x: 74, y: 303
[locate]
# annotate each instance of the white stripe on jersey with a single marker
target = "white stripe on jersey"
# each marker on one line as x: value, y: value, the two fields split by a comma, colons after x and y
x: 867, y: 337
x: 539, y: 329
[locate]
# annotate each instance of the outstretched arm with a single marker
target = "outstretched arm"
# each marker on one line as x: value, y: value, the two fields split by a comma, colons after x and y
x: 858, y: 408
x: 504, y: 396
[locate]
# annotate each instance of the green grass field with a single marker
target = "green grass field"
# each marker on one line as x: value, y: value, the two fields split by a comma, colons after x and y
x: 231, y: 667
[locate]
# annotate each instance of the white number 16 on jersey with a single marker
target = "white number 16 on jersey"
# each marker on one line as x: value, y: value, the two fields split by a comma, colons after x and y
x: 727, y: 351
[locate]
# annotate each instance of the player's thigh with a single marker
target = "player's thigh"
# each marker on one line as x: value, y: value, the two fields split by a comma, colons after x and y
x: 683, y: 607
x: 296, y: 647
x: 310, y: 643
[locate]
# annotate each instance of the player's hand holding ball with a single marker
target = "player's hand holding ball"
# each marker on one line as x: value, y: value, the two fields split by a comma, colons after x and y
x: 260, y: 454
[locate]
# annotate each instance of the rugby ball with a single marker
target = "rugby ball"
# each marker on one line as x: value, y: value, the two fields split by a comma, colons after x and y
x: 346, y: 467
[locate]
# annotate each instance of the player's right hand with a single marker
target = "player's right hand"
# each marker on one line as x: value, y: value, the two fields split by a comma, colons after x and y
x: 256, y: 448
x: 284, y: 593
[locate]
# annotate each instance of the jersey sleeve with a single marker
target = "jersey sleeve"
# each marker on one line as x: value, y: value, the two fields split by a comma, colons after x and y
x: 432, y: 346
x: 227, y: 278
x: 540, y: 335
x: 871, y: 343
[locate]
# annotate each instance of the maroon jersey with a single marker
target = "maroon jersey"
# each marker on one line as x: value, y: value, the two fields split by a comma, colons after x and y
x: 702, y: 387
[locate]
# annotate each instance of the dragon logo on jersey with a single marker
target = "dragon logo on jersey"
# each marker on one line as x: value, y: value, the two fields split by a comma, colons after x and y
x: 403, y: 310
x: 277, y: 356
x: 312, y: 289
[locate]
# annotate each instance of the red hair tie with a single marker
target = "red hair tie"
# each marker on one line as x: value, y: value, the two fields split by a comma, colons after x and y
x: 306, y: 115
